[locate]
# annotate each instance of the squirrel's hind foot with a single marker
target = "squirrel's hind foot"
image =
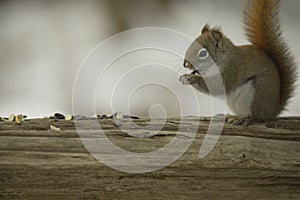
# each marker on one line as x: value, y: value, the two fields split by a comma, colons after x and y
x: 234, y: 120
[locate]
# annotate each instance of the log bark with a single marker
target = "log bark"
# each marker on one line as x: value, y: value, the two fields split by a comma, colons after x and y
x: 261, y: 161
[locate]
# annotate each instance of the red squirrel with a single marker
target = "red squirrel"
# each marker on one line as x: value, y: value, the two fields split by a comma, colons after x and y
x: 259, y: 79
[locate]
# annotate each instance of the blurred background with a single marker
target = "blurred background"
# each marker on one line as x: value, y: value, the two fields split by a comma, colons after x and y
x: 43, y: 43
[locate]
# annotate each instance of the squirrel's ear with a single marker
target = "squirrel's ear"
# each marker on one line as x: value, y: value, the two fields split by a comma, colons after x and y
x: 205, y: 29
x: 218, y: 36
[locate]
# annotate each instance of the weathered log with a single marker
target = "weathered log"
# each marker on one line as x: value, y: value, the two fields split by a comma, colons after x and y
x: 260, y: 161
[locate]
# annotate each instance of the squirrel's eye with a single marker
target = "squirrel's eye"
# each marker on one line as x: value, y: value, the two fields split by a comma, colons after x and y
x: 203, y: 53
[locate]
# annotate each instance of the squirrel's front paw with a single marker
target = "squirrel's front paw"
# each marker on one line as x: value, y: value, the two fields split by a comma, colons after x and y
x: 188, y: 79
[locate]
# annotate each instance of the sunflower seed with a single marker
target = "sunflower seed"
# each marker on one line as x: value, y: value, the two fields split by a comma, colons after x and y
x: 11, y: 118
x: 59, y: 116
x: 69, y: 117
x: 53, y: 128
x: 118, y: 115
x: 19, y: 119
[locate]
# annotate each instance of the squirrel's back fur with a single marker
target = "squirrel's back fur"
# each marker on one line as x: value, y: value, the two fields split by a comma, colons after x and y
x: 263, y: 30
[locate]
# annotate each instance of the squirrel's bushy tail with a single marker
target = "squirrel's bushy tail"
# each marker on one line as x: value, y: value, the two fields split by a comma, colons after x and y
x: 263, y: 30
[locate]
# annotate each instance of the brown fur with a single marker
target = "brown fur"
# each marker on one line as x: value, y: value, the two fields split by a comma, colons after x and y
x: 263, y: 30
x: 267, y: 65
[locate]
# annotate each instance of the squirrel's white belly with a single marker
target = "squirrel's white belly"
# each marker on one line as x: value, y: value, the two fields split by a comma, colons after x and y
x: 240, y: 100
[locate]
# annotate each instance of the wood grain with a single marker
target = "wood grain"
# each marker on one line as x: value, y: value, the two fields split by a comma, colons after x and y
x: 261, y: 161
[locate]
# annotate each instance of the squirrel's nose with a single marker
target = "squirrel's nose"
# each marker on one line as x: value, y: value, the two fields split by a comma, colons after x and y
x: 187, y: 64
